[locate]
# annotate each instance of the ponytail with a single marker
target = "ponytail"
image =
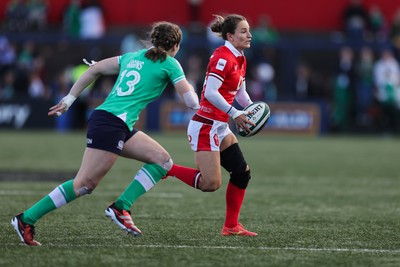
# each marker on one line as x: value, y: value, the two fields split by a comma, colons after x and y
x: 164, y: 36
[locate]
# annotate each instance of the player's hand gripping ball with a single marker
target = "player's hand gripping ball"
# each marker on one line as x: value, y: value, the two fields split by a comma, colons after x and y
x: 259, y: 116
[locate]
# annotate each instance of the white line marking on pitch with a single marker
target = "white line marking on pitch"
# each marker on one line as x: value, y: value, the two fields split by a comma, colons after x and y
x: 284, y: 248
x: 356, y: 250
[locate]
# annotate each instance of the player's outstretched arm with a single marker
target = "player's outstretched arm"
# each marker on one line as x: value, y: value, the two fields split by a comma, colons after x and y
x: 107, y: 66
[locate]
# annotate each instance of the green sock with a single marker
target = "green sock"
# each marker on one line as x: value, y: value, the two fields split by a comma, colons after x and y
x: 57, y: 198
x: 145, y: 179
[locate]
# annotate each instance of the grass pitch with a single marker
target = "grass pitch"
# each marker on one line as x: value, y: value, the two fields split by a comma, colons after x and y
x: 331, y: 201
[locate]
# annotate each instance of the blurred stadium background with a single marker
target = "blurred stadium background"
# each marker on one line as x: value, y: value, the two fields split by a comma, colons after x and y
x: 326, y: 201
x: 318, y: 64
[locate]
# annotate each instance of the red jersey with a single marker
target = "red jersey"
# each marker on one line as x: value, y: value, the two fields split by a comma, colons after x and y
x: 229, y: 66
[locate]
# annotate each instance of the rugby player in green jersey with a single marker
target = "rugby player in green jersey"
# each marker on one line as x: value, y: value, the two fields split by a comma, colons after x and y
x: 142, y: 77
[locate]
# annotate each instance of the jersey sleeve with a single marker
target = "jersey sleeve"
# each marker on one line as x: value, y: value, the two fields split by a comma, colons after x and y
x: 176, y: 73
x: 218, y: 67
x: 124, y: 58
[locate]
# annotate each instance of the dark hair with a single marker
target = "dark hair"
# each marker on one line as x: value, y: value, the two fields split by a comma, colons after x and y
x: 163, y: 37
x: 222, y: 26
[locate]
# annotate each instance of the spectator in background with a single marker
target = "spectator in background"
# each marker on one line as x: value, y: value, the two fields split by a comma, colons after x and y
x: 194, y: 11
x: 39, y: 65
x: 195, y: 72
x: 81, y: 104
x: 100, y: 91
x: 342, y: 105
x: 59, y: 88
x: 378, y: 24
x: 37, y: 16
x: 7, y: 54
x: 254, y: 85
x: 26, y: 55
x: 355, y: 20
x: 71, y: 18
x: 7, y: 80
x: 395, y: 31
x: 17, y: 12
x: 365, y: 87
x: 37, y: 86
x: 24, y: 66
x: 387, y: 81
x: 266, y: 74
x: 7, y: 65
x: 130, y: 43
x: 261, y: 86
x: 386, y: 76
x: 92, y: 21
x: 265, y: 32
x: 37, y: 89
x: 307, y: 84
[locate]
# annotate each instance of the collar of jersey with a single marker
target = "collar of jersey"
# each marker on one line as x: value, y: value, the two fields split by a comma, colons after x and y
x: 233, y: 49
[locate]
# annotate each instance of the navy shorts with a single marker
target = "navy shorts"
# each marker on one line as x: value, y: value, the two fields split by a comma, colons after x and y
x: 105, y: 131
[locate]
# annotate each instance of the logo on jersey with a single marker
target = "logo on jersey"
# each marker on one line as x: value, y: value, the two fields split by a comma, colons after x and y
x: 206, y: 109
x: 136, y: 64
x: 89, y: 141
x: 221, y: 64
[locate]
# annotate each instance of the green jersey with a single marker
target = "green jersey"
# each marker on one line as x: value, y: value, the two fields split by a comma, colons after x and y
x: 139, y: 82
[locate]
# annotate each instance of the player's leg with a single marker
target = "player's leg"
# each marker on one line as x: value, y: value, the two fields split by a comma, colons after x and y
x: 87, y: 178
x: 189, y: 176
x: 233, y: 161
x: 204, y: 136
x: 147, y: 150
x: 208, y: 163
x: 157, y: 162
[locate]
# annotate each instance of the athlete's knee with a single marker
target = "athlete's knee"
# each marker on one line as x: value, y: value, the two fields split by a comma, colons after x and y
x: 167, y: 165
x: 208, y: 185
x: 85, y: 188
x: 241, y: 177
x: 233, y: 161
x: 163, y: 159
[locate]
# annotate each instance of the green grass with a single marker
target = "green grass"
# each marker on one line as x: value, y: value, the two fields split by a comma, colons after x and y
x: 331, y: 201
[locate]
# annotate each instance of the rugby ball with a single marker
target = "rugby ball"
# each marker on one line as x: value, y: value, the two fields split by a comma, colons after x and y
x: 259, y: 115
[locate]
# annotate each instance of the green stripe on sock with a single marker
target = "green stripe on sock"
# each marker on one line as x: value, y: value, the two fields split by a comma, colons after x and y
x: 69, y: 190
x: 62, y: 191
x: 156, y: 171
x: 149, y: 176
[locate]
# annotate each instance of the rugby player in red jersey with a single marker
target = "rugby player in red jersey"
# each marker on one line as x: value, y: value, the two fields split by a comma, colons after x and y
x: 209, y: 134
